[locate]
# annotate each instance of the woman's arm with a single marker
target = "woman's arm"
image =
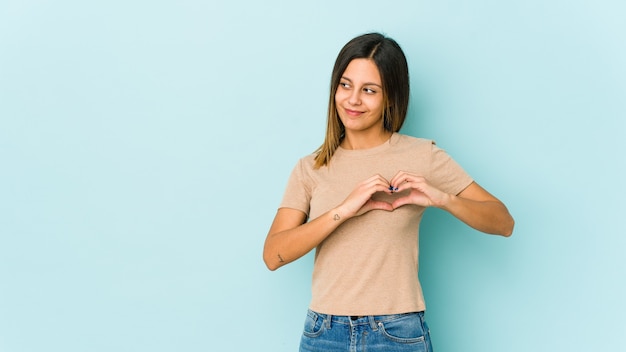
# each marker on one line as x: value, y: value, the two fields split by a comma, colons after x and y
x: 480, y: 210
x: 290, y: 236
x: 474, y: 205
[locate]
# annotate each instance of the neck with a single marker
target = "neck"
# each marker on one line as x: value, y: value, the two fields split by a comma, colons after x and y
x: 355, y: 141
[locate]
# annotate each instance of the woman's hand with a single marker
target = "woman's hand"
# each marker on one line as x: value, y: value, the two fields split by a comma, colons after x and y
x: 474, y: 205
x: 291, y: 236
x: 360, y: 200
x: 420, y: 193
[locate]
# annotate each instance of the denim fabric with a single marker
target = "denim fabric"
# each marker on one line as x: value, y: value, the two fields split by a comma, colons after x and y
x: 389, y: 333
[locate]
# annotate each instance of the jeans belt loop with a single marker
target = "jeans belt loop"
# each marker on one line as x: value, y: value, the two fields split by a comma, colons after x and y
x: 372, y: 322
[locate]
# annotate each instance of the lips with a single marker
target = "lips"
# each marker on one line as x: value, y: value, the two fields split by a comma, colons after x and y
x: 353, y: 113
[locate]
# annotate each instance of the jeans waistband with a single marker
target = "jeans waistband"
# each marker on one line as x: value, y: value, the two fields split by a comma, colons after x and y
x: 371, y: 320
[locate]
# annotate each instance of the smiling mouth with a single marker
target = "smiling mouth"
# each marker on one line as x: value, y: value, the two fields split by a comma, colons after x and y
x: 353, y: 112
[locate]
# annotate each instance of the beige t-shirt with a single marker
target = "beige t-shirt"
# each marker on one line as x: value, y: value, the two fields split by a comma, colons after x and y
x: 369, y: 264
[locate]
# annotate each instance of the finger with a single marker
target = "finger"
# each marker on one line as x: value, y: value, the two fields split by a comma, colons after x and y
x: 380, y: 205
x: 401, y: 178
x: 362, y: 194
x: 381, y: 188
x: 402, y: 184
x: 409, y: 181
x: 378, y: 184
x: 397, y: 178
x: 407, y: 184
x: 400, y: 202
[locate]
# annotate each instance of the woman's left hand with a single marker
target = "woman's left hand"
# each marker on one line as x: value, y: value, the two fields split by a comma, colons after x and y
x: 473, y: 205
x: 420, y: 193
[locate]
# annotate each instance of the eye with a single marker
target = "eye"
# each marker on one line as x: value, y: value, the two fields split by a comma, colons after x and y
x: 344, y: 85
x: 369, y: 90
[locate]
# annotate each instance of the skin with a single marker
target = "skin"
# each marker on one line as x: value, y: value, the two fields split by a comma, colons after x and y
x: 360, y: 101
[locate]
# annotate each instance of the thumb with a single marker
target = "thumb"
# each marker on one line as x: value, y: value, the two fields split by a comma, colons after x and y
x: 400, y: 202
x: 380, y: 205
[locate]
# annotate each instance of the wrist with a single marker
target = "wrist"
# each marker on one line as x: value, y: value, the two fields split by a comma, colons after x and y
x: 445, y: 202
x: 338, y: 214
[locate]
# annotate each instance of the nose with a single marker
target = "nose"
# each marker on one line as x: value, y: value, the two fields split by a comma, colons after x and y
x: 355, y: 97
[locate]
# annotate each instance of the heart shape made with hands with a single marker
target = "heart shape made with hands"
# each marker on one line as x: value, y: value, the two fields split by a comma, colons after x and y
x: 414, y: 194
x: 404, y: 188
x: 391, y: 201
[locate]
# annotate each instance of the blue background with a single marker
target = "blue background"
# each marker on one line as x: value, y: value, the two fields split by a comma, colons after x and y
x: 145, y: 146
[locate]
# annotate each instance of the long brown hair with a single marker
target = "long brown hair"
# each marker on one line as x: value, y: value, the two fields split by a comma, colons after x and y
x: 394, y: 73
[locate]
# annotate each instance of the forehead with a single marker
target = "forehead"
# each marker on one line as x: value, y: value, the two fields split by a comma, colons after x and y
x: 362, y: 70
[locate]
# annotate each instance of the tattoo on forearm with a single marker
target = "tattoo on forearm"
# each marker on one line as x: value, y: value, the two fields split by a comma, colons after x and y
x: 280, y: 259
x: 336, y: 217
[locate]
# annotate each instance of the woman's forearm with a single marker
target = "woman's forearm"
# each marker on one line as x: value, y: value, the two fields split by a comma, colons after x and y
x: 290, y: 238
x: 489, y: 216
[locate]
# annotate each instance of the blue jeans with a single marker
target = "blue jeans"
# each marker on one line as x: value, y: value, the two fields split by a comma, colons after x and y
x: 389, y: 333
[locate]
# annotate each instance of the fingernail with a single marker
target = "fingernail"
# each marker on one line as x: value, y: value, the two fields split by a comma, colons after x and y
x: 395, y: 189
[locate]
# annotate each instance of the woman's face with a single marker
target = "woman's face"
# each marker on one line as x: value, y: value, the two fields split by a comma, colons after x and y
x: 359, y: 98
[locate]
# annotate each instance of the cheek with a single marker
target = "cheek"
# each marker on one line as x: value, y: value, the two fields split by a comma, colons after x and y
x: 339, y: 96
x: 375, y: 104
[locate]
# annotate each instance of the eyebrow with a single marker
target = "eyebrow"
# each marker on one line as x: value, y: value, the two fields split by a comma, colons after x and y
x: 365, y: 84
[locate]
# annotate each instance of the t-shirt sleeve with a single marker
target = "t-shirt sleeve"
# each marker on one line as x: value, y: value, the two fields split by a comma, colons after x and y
x: 298, y: 191
x: 446, y: 173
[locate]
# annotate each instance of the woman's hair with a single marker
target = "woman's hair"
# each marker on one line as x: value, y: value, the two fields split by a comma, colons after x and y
x: 394, y: 73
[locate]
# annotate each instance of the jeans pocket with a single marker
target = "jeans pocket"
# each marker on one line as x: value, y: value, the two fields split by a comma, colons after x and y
x: 406, y: 329
x: 313, y: 325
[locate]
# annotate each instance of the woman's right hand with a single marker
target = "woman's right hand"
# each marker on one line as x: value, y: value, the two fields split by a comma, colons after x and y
x: 291, y: 236
x: 360, y: 200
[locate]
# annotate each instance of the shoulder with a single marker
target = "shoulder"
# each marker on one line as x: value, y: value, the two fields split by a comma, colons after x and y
x: 304, y: 166
x: 402, y: 141
x: 307, y: 161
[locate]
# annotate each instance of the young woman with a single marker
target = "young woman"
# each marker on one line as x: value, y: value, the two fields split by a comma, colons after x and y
x: 358, y: 200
